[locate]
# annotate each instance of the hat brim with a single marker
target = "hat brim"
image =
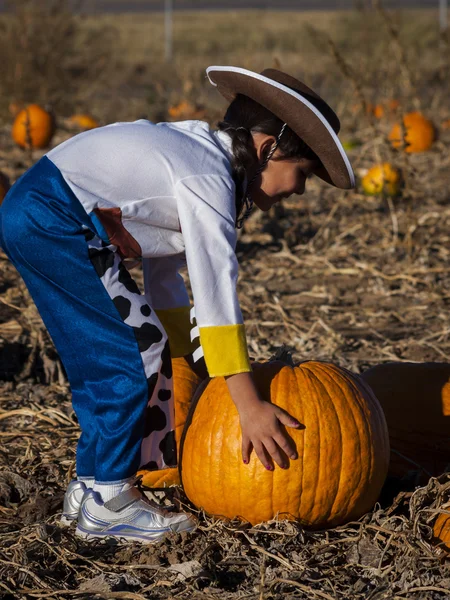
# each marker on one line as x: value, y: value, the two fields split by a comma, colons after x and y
x: 294, y: 109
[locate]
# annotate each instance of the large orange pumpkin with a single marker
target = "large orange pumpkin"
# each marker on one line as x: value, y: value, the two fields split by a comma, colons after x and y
x: 4, y: 186
x: 416, y: 135
x: 33, y: 127
x: 342, y: 444
x: 185, y: 382
x: 415, y: 398
x: 441, y: 531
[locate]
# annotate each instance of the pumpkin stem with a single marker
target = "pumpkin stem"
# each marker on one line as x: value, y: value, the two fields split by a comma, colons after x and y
x: 284, y: 354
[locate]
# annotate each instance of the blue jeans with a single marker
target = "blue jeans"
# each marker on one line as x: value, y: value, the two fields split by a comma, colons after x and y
x: 110, y: 341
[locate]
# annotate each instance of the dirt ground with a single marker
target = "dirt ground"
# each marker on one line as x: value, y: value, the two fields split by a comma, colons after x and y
x: 336, y: 276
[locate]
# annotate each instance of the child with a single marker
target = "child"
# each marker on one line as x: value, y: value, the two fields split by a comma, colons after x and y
x: 166, y: 193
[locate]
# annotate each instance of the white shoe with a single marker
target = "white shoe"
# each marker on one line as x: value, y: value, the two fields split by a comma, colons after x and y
x: 129, y: 515
x: 72, y: 500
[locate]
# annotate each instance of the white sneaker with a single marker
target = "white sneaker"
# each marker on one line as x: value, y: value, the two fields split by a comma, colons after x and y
x: 72, y: 500
x: 129, y: 515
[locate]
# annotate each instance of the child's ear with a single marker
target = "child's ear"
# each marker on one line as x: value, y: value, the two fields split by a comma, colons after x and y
x: 265, y: 147
x: 265, y: 151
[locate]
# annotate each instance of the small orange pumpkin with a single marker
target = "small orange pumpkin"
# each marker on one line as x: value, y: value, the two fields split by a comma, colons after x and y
x: 83, y: 121
x: 385, y: 108
x: 379, y: 179
x: 185, y: 382
x: 4, y: 185
x: 378, y: 111
x: 419, y: 133
x: 186, y: 110
x: 342, y: 446
x: 388, y: 107
x: 33, y: 127
x: 415, y: 398
x: 441, y: 531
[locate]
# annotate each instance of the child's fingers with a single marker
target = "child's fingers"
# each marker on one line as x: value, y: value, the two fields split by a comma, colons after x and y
x: 286, y: 418
x: 286, y: 444
x: 246, y: 449
x: 284, y: 441
x: 273, y: 448
x: 263, y: 456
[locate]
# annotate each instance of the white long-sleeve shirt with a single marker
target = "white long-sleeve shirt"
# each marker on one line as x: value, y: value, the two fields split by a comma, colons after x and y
x: 165, y: 192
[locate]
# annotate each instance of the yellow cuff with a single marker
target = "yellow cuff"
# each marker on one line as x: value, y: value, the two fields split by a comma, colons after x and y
x: 225, y: 350
x: 177, y: 326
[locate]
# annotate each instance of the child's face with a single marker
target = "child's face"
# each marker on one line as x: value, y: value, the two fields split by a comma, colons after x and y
x: 281, y: 178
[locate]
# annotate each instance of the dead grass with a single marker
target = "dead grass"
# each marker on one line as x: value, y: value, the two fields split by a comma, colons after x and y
x: 291, y: 41
x: 113, y: 65
x: 50, y: 58
x: 335, y: 275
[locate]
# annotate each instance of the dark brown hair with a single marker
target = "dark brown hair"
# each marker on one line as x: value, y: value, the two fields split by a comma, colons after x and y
x: 245, y: 116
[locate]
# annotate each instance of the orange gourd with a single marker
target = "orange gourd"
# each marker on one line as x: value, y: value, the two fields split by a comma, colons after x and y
x: 415, y: 398
x: 185, y: 382
x: 380, y: 110
x: 382, y: 179
x: 33, y: 127
x: 418, y: 135
x: 441, y: 531
x: 385, y: 108
x: 4, y: 186
x: 186, y: 110
x: 342, y: 444
x: 83, y: 121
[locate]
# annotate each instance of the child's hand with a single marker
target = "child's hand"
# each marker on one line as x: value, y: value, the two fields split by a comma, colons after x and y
x: 261, y: 424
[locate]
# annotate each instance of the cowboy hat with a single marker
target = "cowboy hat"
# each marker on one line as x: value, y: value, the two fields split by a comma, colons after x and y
x: 306, y: 113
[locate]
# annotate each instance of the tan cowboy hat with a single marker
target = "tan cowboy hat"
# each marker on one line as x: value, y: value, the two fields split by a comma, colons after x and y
x: 301, y: 108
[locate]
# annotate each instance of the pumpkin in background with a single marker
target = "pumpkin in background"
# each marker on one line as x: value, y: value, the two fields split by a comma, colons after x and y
x: 83, y: 121
x: 387, y: 107
x: 415, y: 398
x: 4, y: 186
x: 382, y: 179
x: 377, y: 110
x: 33, y: 127
x: 185, y: 383
x: 381, y: 109
x: 441, y: 531
x: 419, y: 133
x: 184, y: 110
x: 342, y: 446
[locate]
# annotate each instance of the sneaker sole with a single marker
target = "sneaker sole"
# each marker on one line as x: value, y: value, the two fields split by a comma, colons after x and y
x: 144, y: 539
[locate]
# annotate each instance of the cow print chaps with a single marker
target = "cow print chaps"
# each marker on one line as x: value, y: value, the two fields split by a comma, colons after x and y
x: 158, y: 448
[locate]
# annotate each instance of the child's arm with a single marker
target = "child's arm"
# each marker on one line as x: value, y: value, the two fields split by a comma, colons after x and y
x: 261, y: 423
x: 207, y: 220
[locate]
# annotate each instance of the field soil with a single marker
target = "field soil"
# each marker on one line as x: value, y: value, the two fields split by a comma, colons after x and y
x: 336, y: 276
